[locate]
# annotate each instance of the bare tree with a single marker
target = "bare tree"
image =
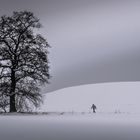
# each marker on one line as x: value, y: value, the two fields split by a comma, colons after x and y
x: 23, y: 60
x: 4, y: 103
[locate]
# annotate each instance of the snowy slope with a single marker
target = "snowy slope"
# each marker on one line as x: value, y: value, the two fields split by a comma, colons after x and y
x: 123, y: 97
x: 104, y: 125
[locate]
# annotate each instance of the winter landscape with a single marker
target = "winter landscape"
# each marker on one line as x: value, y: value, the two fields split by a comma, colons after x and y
x: 70, y: 70
x: 67, y: 115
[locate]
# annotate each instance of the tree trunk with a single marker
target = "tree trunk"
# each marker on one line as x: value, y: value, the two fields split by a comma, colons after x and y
x: 12, y: 92
x: 12, y: 103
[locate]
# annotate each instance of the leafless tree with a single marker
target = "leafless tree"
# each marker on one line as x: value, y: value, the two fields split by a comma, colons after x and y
x: 4, y: 103
x: 23, y: 60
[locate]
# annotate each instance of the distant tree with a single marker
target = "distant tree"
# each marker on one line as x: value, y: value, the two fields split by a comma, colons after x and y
x: 23, y: 61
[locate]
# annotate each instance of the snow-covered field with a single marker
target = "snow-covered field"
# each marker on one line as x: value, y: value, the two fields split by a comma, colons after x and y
x: 69, y: 115
x: 98, y: 126
x: 121, y: 97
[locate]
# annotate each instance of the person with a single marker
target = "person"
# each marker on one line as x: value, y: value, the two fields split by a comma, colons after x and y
x: 94, y: 108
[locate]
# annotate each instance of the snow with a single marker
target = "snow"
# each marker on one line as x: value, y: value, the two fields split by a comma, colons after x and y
x: 69, y: 116
x: 70, y: 127
x: 121, y: 97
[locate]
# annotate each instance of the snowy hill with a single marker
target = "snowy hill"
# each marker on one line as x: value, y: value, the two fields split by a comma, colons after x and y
x: 104, y: 125
x: 121, y: 97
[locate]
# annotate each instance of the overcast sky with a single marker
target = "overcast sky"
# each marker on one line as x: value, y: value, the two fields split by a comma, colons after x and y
x: 92, y: 41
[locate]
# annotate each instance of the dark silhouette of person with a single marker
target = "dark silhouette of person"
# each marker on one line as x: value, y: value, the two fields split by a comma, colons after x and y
x: 93, y: 107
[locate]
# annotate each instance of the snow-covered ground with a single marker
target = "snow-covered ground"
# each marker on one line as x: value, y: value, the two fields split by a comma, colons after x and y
x: 69, y: 116
x: 121, y: 97
x: 98, y: 126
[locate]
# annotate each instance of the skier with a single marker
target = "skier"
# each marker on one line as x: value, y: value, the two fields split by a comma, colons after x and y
x: 94, y: 108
